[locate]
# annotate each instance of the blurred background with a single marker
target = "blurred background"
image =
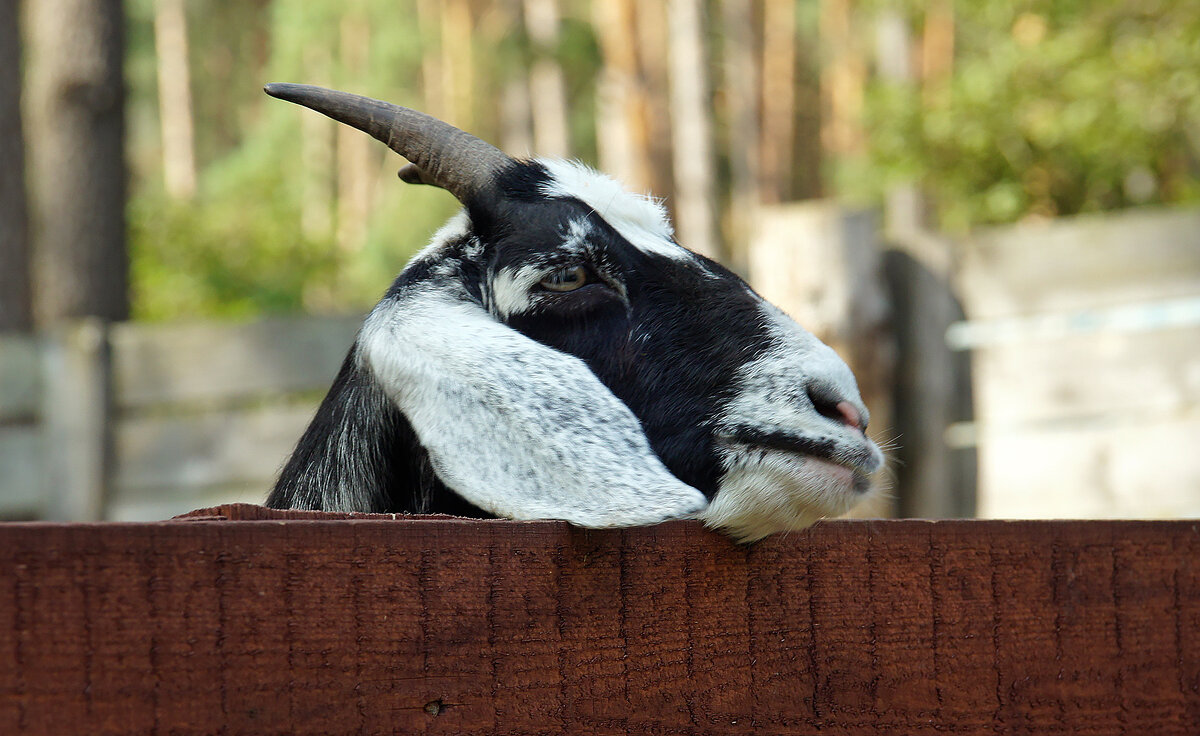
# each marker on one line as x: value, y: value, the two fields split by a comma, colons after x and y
x: 991, y: 209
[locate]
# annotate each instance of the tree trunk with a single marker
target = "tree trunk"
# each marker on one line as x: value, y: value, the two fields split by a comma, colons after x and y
x: 175, y: 99
x: 937, y: 45
x: 654, y: 82
x: 695, y: 185
x: 16, y: 307
x: 619, y: 132
x: 842, y: 80
x: 741, y: 103
x: 429, y: 28
x: 77, y: 163
x: 516, y: 114
x: 547, y: 86
x: 458, y: 63
x: 356, y: 165
x: 778, y: 98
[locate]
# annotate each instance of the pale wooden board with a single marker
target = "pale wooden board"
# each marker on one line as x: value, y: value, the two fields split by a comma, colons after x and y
x: 20, y: 372
x: 1105, y: 468
x: 1141, y: 374
x: 1081, y: 262
x: 220, y: 362
x: 822, y: 265
x: 170, y: 458
x: 20, y: 470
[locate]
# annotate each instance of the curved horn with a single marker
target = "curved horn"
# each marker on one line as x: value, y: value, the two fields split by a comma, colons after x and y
x: 442, y: 154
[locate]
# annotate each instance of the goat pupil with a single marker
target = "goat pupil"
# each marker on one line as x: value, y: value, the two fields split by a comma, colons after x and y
x: 565, y: 279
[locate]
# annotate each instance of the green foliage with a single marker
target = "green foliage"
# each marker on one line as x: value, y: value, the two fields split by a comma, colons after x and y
x: 1053, y: 108
x: 241, y: 247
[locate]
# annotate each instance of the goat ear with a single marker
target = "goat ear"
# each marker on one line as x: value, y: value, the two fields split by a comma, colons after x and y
x: 513, y: 426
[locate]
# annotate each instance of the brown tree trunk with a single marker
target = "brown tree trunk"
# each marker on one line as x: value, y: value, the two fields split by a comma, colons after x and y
x: 458, y: 63
x: 516, y: 107
x: 694, y: 165
x: 654, y: 113
x: 356, y: 164
x: 16, y: 307
x: 937, y: 45
x: 175, y: 98
x: 547, y: 86
x: 620, y: 132
x: 742, y: 121
x: 778, y: 98
x: 843, y: 80
x: 76, y: 129
x: 429, y: 26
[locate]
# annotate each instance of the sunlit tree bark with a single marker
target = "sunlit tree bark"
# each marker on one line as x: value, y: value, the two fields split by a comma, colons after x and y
x: 619, y: 129
x: 547, y: 86
x: 843, y: 80
x: 458, y: 63
x: 741, y: 120
x: 654, y: 115
x: 516, y: 114
x: 691, y: 118
x: 778, y: 97
x: 355, y: 152
x: 175, y: 98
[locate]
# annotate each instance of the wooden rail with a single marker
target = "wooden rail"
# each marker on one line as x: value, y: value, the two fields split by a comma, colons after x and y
x: 241, y: 620
x: 141, y: 421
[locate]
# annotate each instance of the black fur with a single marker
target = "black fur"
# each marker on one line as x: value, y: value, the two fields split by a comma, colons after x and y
x: 657, y: 347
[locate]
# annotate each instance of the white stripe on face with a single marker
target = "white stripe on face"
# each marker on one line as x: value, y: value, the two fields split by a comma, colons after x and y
x: 637, y: 218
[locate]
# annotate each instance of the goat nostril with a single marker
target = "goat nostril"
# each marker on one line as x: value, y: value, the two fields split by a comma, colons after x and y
x: 825, y: 406
x: 842, y: 412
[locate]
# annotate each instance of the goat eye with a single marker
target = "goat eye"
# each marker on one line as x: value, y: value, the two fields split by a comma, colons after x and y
x: 565, y: 279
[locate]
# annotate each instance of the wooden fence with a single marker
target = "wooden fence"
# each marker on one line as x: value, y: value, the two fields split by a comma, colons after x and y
x: 1082, y: 334
x: 147, y: 421
x: 1085, y: 339
x: 241, y: 620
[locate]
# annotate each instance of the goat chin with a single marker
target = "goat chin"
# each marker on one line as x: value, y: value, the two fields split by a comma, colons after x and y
x: 768, y: 491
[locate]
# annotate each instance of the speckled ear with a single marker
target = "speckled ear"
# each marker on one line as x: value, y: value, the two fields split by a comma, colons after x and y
x: 515, y: 427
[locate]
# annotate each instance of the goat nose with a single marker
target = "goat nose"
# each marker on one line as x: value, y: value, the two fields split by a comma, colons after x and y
x: 837, y: 409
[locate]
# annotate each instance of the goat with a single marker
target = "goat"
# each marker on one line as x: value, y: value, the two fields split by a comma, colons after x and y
x: 555, y: 353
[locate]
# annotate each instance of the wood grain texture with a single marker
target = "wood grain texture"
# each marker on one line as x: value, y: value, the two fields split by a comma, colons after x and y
x: 242, y: 620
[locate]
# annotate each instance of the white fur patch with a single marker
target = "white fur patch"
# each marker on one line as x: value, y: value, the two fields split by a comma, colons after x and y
x: 638, y: 218
x: 517, y: 428
x: 769, y: 490
x: 511, y: 290
x: 772, y: 392
x: 457, y: 227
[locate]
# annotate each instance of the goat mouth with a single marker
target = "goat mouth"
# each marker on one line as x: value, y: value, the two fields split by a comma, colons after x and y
x: 853, y: 467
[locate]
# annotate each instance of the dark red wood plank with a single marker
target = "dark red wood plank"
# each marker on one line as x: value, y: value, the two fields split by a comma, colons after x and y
x: 245, y: 620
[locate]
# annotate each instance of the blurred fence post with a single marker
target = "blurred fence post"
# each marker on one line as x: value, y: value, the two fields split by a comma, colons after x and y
x: 77, y: 419
x: 932, y: 387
